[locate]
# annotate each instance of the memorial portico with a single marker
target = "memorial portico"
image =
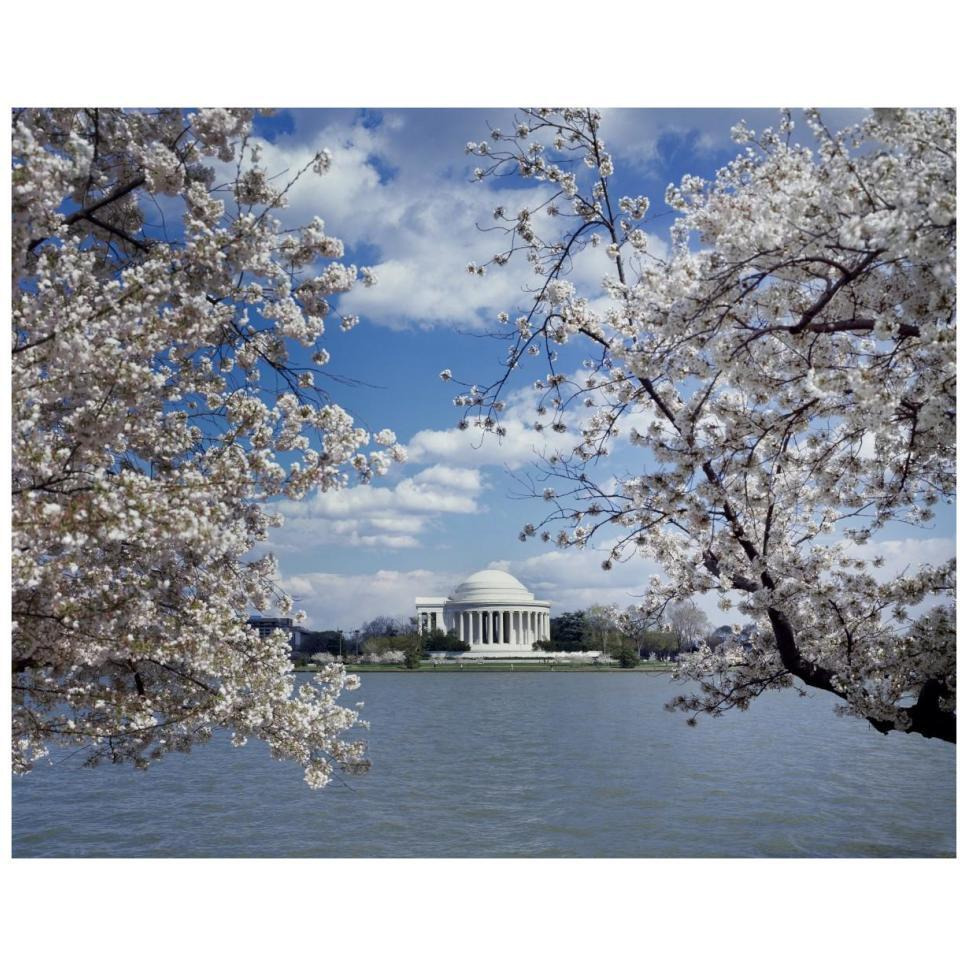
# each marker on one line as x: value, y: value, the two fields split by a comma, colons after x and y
x: 491, y: 611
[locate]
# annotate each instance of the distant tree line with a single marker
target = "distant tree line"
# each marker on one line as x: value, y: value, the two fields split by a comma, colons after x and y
x: 598, y: 629
x: 377, y: 638
x: 625, y: 634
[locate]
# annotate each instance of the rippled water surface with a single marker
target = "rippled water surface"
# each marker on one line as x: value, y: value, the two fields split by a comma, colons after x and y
x: 524, y: 764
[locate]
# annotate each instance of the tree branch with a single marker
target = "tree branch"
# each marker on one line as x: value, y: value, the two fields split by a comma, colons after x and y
x: 120, y: 191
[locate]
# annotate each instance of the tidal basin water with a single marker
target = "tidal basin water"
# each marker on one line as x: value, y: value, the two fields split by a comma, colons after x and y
x: 522, y: 765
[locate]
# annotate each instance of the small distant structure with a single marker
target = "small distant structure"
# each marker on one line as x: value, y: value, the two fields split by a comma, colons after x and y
x: 266, y: 625
x: 722, y: 634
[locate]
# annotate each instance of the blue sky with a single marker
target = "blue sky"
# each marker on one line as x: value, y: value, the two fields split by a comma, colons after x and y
x: 399, y: 195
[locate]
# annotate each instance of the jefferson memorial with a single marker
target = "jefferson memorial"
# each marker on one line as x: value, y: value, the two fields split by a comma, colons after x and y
x: 491, y: 611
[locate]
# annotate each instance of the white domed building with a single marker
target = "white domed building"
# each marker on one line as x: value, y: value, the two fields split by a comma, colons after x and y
x: 491, y: 611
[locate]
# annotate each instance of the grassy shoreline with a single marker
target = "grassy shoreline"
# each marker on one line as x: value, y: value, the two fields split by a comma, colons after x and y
x: 495, y: 667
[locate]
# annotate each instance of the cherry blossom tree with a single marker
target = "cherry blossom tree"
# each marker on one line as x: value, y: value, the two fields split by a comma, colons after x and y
x: 689, y: 623
x: 787, y: 373
x: 601, y: 624
x: 163, y: 397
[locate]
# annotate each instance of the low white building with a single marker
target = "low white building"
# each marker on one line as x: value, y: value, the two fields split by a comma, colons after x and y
x: 491, y: 611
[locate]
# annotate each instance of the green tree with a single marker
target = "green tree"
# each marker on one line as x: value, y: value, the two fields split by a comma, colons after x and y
x: 443, y: 640
x: 568, y: 633
x: 627, y: 658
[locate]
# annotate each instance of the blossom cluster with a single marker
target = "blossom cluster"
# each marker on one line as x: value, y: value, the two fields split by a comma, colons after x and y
x: 157, y: 408
x: 789, y: 370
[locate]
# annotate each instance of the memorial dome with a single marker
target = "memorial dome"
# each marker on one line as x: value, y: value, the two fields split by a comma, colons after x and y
x: 491, y: 586
x: 492, y: 614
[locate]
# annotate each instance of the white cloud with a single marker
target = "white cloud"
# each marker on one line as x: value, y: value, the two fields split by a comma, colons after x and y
x: 431, y: 288
x: 904, y: 556
x: 522, y: 445
x: 335, y: 600
x: 645, y: 138
x: 452, y: 478
x: 573, y: 578
x: 402, y: 188
x: 372, y: 516
x: 422, y: 221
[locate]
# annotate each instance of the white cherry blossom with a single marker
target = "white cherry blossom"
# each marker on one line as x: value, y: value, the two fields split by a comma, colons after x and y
x: 792, y: 363
x: 157, y: 411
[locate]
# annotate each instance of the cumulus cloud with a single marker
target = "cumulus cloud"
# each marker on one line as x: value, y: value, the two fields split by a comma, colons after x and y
x: 421, y: 218
x: 904, y: 556
x: 372, y: 516
x: 400, y: 187
x: 522, y: 445
x: 345, y: 601
x: 431, y: 288
x: 573, y: 578
x: 647, y: 139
